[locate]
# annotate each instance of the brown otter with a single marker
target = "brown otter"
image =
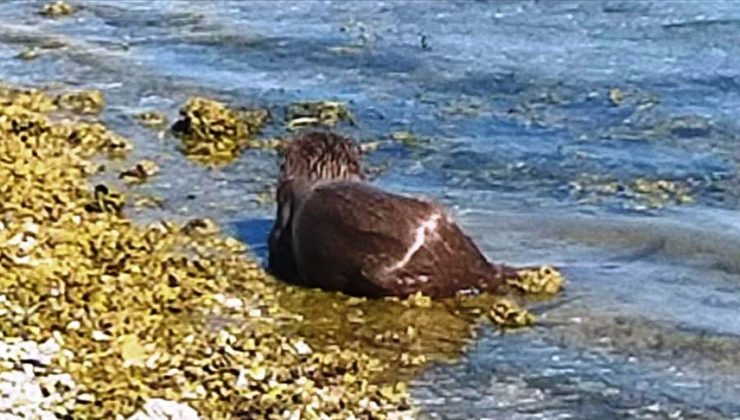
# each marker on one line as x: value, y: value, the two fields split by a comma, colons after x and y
x: 335, y: 231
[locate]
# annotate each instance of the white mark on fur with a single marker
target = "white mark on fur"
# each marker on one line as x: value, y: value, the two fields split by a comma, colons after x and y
x: 427, y: 226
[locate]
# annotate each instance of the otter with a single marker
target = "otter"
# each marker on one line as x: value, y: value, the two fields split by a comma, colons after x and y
x: 336, y: 231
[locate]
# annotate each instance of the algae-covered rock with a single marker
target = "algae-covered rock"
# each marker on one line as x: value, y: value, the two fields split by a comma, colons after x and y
x: 542, y: 280
x: 82, y: 102
x: 213, y: 133
x: 29, y: 53
x: 142, y: 171
x: 405, y: 137
x: 266, y: 144
x: 616, y: 96
x: 507, y: 314
x: 318, y: 113
x: 158, y: 313
x: 152, y: 119
x: 27, y: 99
x: 637, y: 194
x: 255, y: 118
x: 57, y: 9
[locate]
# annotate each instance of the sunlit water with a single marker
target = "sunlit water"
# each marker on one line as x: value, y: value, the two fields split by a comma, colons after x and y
x: 510, y: 102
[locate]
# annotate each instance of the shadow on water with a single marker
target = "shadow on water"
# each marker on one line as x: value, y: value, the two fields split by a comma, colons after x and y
x: 254, y: 233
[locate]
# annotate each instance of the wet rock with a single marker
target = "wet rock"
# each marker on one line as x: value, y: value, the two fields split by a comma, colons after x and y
x: 507, y: 314
x: 405, y: 137
x: 202, y: 227
x: 141, y: 172
x: 152, y: 119
x: 159, y: 409
x: 148, y: 201
x: 255, y: 118
x: 266, y: 144
x: 26, y: 379
x: 89, y: 102
x: 26, y: 99
x: 213, y: 133
x: 29, y: 53
x: 57, y: 9
x: 135, y: 311
x: 637, y: 194
x: 105, y: 200
x: 616, y: 97
x: 543, y: 280
x: 320, y: 113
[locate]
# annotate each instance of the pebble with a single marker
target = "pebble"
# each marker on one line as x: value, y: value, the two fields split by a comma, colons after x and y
x: 160, y: 409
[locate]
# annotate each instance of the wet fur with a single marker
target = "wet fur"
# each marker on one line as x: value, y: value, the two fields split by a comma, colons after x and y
x: 337, y: 232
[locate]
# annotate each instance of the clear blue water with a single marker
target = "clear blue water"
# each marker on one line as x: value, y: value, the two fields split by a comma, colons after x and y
x: 511, y: 103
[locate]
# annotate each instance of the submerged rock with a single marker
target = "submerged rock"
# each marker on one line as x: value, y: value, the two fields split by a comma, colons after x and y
x: 57, y: 9
x: 142, y: 171
x: 543, y: 280
x: 152, y: 119
x: 636, y: 194
x: 82, y: 102
x: 507, y: 314
x: 29, y: 53
x: 318, y: 113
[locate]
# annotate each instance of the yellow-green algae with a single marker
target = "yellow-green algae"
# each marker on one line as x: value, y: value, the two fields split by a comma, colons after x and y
x: 637, y: 194
x: 316, y: 113
x: 153, y: 119
x: 138, y: 310
x: 616, y: 96
x: 57, y: 9
x: 543, y: 280
x: 182, y: 313
x: 142, y: 171
x: 81, y: 102
x: 213, y: 133
x: 29, y: 53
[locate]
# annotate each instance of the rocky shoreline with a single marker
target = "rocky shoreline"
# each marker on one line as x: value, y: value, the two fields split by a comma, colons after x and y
x: 103, y: 318
x: 106, y: 318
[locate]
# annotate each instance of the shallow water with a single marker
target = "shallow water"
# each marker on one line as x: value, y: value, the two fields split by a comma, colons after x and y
x: 510, y: 102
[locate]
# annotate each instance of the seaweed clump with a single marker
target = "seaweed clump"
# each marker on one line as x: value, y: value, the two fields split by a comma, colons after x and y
x: 32, y: 100
x: 318, y: 113
x: 142, y: 171
x: 541, y: 280
x: 507, y: 314
x: 153, y: 119
x: 137, y: 314
x: 57, y: 9
x: 639, y: 194
x: 85, y: 102
x: 81, y: 102
x: 213, y: 133
x: 29, y: 53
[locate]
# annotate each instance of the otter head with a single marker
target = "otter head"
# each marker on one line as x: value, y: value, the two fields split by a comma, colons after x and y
x: 308, y: 160
x: 321, y: 156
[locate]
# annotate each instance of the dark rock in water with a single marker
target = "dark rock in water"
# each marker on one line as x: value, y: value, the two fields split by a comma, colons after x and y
x: 337, y: 232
